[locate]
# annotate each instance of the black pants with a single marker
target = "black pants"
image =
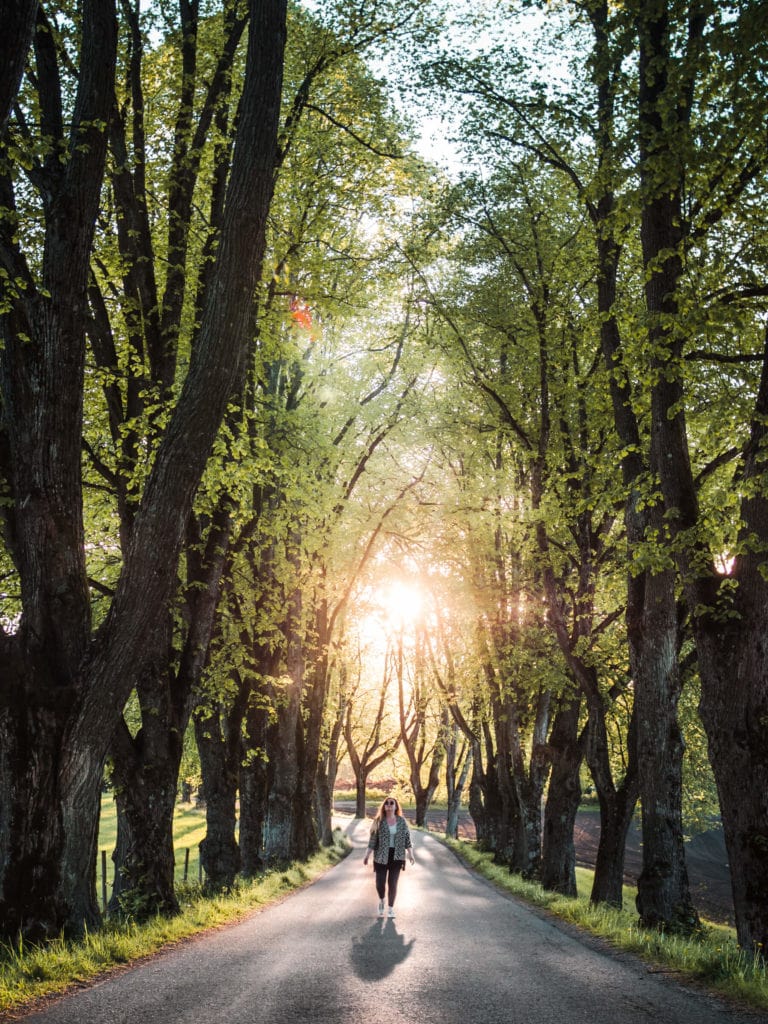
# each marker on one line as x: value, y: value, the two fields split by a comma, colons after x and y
x: 388, y: 873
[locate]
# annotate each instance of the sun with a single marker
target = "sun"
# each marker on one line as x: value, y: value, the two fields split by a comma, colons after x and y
x: 402, y: 603
x: 390, y: 606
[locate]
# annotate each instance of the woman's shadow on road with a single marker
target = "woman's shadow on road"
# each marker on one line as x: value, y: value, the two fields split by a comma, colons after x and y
x: 377, y: 952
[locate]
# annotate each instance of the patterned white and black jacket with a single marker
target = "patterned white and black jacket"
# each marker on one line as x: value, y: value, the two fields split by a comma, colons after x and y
x: 379, y: 841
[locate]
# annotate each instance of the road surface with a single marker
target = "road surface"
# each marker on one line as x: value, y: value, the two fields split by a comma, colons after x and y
x: 705, y: 856
x: 458, y: 952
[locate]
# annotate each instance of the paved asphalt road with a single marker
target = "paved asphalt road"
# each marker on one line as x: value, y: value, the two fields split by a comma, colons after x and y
x: 457, y: 953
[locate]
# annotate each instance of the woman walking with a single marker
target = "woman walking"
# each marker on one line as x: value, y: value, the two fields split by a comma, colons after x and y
x: 390, y: 841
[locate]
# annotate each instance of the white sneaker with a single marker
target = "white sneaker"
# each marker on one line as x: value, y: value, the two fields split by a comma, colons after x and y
x: 391, y: 912
x: 381, y: 908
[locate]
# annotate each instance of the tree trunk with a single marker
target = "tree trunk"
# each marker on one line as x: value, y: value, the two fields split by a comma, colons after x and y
x: 615, y: 819
x: 253, y: 812
x: 617, y: 806
x: 31, y: 829
x: 461, y: 761
x: 558, y: 861
x: 424, y: 795
x: 145, y: 775
x: 323, y: 805
x: 42, y: 358
x: 253, y: 790
x: 283, y: 839
x: 484, y: 796
x: 42, y: 397
x: 529, y: 786
x: 663, y: 896
x: 146, y: 768
x: 507, y: 825
x: 734, y: 708
x: 326, y: 779
x: 218, y: 744
x: 82, y: 777
x: 361, y: 781
x: 18, y: 29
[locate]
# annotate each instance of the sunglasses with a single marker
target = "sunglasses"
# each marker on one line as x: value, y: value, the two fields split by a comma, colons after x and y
x: 388, y: 803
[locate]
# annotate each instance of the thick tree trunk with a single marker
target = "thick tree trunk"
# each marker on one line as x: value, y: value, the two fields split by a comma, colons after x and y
x: 734, y: 708
x: 361, y: 781
x: 617, y: 806
x: 663, y: 896
x: 253, y: 790
x: 323, y: 806
x: 42, y: 397
x: 558, y: 860
x: 507, y: 825
x: 253, y: 812
x: 529, y: 785
x: 484, y: 796
x: 42, y: 355
x: 145, y: 773
x: 219, y: 749
x: 283, y: 839
x: 424, y: 795
x: 82, y: 779
x: 615, y: 819
x: 146, y: 768
x: 526, y: 859
x: 31, y: 828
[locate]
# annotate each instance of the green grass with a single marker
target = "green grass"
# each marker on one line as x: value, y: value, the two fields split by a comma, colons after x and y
x: 28, y: 973
x: 711, y: 957
x: 371, y: 795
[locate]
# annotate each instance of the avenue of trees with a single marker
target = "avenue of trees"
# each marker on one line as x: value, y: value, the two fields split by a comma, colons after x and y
x: 312, y: 451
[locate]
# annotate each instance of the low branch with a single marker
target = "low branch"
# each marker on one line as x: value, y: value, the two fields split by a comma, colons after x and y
x: 353, y: 134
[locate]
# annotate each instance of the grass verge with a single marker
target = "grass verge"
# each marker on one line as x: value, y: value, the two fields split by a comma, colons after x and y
x: 28, y: 973
x: 711, y: 957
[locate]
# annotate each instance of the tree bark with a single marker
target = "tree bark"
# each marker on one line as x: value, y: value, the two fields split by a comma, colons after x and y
x: 145, y: 775
x: 218, y: 741
x: 18, y: 27
x: 41, y: 372
x: 254, y: 780
x: 730, y: 616
x: 457, y: 766
x: 88, y: 683
x: 617, y: 805
x: 663, y: 896
x: 558, y: 859
x: 289, y: 829
x: 326, y: 777
x: 664, y: 899
x: 145, y: 780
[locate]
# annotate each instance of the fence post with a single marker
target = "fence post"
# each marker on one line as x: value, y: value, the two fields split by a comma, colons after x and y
x: 186, y: 863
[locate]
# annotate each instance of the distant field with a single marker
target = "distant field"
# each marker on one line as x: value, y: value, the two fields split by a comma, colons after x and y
x: 188, y: 833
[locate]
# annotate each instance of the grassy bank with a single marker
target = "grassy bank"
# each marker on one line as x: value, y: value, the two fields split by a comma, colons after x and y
x: 711, y: 958
x: 32, y: 972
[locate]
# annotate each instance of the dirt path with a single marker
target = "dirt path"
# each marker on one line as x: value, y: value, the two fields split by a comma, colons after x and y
x: 705, y: 855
